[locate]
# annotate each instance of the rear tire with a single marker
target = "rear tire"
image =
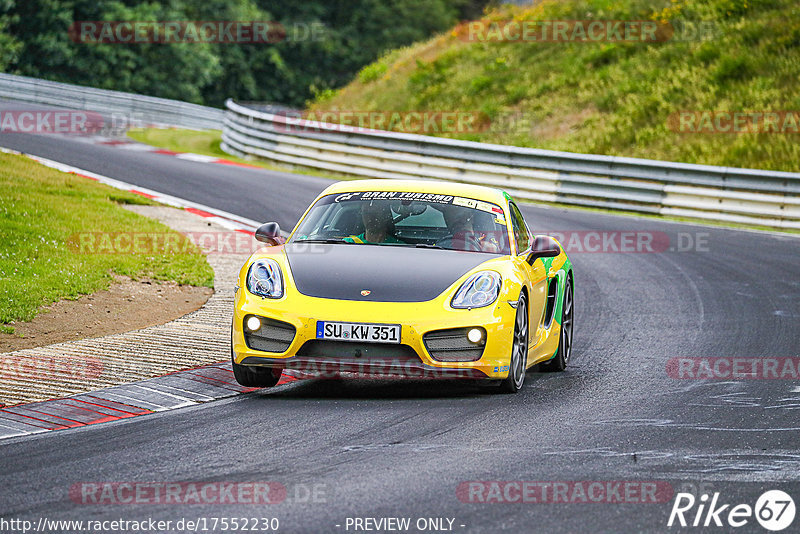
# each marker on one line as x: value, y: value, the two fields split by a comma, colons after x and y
x: 559, y: 362
x: 519, y: 350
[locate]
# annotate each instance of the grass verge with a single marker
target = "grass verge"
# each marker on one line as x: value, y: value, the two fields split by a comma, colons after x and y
x: 40, y: 209
x: 207, y: 143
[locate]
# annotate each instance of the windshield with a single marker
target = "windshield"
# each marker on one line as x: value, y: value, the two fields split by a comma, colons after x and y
x: 406, y: 219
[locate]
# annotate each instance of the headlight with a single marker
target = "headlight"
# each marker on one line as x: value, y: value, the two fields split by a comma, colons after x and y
x: 265, y: 280
x: 479, y: 290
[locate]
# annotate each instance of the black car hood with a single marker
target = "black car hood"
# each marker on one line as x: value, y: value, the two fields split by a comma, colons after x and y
x: 389, y: 273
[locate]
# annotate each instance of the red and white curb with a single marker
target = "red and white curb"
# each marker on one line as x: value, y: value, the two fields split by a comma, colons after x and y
x: 169, y: 392
x: 188, y: 156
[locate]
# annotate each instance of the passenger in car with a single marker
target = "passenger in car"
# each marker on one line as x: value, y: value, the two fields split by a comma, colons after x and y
x: 465, y: 237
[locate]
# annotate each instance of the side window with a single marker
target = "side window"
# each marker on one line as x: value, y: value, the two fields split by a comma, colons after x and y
x: 520, y: 229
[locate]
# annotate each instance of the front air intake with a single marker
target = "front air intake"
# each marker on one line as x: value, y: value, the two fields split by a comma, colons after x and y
x: 453, y: 345
x: 271, y: 336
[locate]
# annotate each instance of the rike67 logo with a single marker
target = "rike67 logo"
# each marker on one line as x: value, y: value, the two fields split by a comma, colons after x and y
x: 774, y: 510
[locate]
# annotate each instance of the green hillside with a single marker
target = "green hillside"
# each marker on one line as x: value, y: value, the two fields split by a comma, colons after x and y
x: 618, y: 98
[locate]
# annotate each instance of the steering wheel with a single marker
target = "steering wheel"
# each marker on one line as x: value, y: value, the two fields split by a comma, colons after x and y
x: 465, y: 241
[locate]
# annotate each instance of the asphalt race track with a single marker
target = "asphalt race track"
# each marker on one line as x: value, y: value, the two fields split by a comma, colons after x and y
x: 382, y: 449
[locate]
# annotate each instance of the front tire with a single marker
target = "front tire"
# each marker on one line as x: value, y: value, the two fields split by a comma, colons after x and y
x: 519, y: 350
x: 559, y: 362
x: 254, y: 377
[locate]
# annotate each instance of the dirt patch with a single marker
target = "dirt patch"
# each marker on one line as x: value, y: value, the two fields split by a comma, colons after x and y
x: 127, y: 305
x: 561, y: 125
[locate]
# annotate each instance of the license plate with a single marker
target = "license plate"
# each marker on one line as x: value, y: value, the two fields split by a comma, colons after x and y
x: 371, y: 333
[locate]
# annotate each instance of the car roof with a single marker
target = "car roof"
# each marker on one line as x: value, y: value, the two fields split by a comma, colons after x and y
x: 477, y: 192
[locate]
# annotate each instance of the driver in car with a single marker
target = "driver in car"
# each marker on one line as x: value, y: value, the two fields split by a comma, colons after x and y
x: 464, y: 235
x: 377, y: 218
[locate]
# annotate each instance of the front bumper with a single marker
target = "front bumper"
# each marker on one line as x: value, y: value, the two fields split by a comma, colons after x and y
x: 410, y: 359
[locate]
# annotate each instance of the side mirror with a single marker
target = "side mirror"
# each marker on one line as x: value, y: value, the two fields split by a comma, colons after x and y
x: 269, y: 233
x: 543, y: 246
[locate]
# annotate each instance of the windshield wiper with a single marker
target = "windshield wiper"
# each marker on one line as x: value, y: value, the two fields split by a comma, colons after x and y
x: 426, y: 245
x: 327, y: 240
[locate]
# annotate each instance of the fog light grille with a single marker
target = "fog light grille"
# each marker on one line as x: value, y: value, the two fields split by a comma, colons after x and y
x: 452, y: 345
x: 272, y: 336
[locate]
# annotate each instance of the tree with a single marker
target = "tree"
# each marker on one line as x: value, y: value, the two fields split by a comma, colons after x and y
x: 35, y: 41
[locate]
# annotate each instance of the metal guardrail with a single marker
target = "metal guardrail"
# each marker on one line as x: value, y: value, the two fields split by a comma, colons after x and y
x: 749, y: 196
x: 145, y: 110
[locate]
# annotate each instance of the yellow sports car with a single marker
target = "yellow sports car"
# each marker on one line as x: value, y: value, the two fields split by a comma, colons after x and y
x: 411, y: 278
